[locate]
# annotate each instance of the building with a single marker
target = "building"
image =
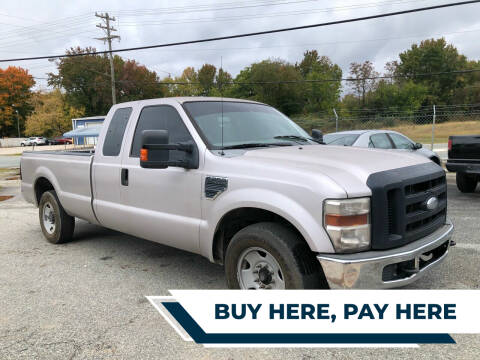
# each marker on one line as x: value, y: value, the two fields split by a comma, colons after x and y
x: 81, y: 123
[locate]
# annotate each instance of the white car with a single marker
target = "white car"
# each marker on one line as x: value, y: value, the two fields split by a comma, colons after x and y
x: 380, y: 139
x: 34, y: 141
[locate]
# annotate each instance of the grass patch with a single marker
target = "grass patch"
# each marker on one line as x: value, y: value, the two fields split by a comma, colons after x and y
x: 17, y: 154
x: 417, y: 132
x: 423, y: 133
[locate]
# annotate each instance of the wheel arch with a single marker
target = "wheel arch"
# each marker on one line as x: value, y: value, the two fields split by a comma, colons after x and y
x: 239, y: 218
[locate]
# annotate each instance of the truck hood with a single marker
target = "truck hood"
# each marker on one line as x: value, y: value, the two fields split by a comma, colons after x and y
x: 349, y: 167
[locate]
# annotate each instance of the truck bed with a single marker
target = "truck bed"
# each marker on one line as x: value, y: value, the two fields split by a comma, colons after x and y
x: 68, y: 171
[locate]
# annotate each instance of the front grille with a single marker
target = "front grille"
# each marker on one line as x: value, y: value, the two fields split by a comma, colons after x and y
x: 400, y: 213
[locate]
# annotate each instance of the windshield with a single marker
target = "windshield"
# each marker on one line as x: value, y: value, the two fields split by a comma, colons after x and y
x: 340, y: 139
x: 244, y: 123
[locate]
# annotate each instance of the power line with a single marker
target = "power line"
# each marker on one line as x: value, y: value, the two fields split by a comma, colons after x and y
x: 378, y: 16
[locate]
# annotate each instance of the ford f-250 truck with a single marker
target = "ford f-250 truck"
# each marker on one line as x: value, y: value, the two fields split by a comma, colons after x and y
x: 241, y: 184
x: 464, y: 159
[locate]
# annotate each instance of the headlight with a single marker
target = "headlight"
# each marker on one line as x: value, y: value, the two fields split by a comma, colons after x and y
x: 347, y: 222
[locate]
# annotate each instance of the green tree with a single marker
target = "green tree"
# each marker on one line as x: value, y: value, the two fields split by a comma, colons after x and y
x: 434, y: 56
x: 274, y: 82
x: 321, y: 93
x: 405, y: 96
x: 206, y: 79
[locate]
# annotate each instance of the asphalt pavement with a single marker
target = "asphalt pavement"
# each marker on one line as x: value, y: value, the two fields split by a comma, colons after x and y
x: 86, y: 299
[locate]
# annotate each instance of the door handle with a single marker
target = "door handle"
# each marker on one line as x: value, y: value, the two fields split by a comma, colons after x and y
x: 124, y: 177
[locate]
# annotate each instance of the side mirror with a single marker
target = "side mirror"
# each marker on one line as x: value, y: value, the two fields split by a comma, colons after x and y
x: 317, y: 135
x: 417, y: 146
x: 155, y: 151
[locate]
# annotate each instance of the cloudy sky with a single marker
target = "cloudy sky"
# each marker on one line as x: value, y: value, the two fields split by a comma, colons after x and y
x: 34, y: 28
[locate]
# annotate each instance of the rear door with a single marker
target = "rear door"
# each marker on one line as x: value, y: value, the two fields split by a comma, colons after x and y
x: 106, y: 170
x: 380, y: 141
x: 163, y: 205
x: 401, y: 142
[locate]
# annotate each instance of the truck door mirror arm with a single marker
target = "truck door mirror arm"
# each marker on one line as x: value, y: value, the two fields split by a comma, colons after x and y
x: 155, y: 151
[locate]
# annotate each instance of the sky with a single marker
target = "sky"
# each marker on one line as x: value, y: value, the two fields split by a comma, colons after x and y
x: 36, y: 28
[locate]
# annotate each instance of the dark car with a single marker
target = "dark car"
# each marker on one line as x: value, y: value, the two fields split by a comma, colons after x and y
x: 464, y: 159
x: 59, y: 140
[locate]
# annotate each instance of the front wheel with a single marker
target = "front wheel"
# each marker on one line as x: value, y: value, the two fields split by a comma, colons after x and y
x: 466, y: 183
x: 271, y: 256
x: 22, y: 144
x: 57, y: 226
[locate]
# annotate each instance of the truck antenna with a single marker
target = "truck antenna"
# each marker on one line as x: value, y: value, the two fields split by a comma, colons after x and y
x: 221, y: 96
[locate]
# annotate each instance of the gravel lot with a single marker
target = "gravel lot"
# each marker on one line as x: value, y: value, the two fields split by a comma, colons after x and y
x: 86, y: 299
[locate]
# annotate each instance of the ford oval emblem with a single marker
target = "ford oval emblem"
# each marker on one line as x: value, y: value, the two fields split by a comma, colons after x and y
x: 432, y: 203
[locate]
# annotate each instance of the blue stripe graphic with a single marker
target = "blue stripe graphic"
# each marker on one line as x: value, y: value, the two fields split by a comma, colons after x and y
x: 200, y: 337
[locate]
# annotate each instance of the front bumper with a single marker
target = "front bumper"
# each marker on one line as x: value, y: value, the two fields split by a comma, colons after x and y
x: 388, y: 268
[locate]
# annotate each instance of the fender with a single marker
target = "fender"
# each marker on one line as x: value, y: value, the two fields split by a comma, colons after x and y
x: 304, y: 222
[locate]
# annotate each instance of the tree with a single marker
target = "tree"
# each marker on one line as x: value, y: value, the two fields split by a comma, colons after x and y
x: 310, y: 58
x: 51, y: 116
x: 274, y: 82
x: 15, y: 93
x: 206, y: 78
x: 434, y: 56
x: 362, y: 75
x: 86, y: 81
x: 223, y: 82
x: 405, y: 96
x: 321, y: 93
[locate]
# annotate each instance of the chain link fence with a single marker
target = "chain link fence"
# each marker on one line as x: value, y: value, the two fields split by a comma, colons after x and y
x: 427, y: 125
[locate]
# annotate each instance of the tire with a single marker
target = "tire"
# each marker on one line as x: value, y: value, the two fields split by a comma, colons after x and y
x: 466, y: 183
x: 258, y: 244
x: 22, y: 144
x: 63, y: 225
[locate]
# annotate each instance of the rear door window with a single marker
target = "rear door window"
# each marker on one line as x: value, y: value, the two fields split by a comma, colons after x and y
x: 115, y: 132
x: 401, y: 142
x: 380, y: 141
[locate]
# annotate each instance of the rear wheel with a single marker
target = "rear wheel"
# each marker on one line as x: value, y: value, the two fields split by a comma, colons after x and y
x: 271, y: 256
x: 57, y: 226
x: 466, y: 183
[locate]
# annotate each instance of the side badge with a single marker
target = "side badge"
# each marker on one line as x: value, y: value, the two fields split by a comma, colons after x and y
x: 214, y: 186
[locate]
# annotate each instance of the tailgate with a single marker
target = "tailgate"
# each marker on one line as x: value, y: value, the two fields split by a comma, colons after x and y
x: 465, y: 147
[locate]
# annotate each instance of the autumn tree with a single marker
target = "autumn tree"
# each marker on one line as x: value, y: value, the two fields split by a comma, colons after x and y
x: 52, y: 116
x: 363, y: 81
x: 15, y: 93
x: 86, y: 81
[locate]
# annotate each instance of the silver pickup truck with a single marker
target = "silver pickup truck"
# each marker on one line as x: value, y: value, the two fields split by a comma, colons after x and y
x: 241, y: 184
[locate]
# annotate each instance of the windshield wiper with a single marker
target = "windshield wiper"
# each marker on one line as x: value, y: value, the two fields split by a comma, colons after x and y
x: 254, y: 145
x: 296, y: 137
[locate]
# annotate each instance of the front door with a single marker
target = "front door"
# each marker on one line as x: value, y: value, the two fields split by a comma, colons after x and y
x: 164, y: 204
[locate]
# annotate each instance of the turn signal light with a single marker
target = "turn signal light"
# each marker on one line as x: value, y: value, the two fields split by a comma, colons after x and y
x: 342, y: 220
x: 143, y: 155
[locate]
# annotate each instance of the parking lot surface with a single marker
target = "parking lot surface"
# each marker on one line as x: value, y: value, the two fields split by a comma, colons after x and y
x: 86, y: 299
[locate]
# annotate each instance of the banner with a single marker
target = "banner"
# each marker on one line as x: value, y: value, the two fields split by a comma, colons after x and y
x: 316, y: 317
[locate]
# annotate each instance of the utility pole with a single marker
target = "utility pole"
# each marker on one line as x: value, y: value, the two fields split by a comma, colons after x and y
x: 108, y: 29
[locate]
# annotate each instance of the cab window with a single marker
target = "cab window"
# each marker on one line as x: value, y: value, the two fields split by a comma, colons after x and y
x: 161, y: 117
